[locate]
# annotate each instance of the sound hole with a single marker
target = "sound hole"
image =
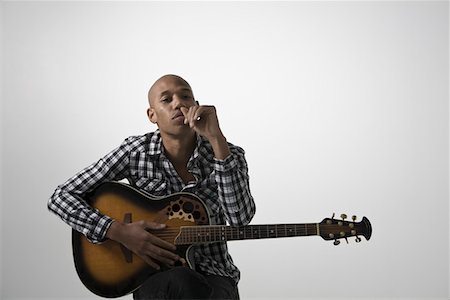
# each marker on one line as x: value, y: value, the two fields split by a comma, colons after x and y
x: 188, y: 207
x: 175, y: 207
x: 196, y: 214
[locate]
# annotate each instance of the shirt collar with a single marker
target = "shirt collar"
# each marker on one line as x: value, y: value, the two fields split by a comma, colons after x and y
x: 156, y: 146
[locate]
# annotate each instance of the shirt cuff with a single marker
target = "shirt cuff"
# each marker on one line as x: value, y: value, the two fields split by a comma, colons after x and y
x: 226, y: 164
x: 100, y: 227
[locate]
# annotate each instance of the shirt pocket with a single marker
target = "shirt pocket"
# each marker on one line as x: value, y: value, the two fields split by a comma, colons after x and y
x: 155, y: 186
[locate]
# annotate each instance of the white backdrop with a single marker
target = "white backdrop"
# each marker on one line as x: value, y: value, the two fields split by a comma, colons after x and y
x: 341, y: 107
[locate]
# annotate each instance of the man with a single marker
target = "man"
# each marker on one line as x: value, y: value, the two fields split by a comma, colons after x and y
x: 187, y: 153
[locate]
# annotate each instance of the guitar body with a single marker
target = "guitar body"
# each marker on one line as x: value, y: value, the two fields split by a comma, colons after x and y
x: 111, y: 270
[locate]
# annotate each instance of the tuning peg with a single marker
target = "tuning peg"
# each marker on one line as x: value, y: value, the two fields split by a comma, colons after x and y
x: 332, y: 217
x: 343, y: 216
x: 354, y: 218
x: 336, y: 242
x: 358, y: 239
x: 346, y: 240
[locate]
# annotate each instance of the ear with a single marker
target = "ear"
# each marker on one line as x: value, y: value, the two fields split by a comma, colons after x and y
x: 151, y: 115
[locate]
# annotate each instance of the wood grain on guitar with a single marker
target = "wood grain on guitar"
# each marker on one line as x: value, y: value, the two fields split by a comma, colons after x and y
x: 111, y: 270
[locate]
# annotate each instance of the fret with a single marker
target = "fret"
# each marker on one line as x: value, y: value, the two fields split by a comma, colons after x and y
x: 222, y: 233
x: 290, y: 230
x: 198, y: 234
x: 208, y: 233
x: 256, y: 233
x: 203, y: 233
x: 189, y: 235
x: 281, y: 230
x: 217, y: 231
x: 241, y: 233
x: 238, y: 233
x: 272, y: 232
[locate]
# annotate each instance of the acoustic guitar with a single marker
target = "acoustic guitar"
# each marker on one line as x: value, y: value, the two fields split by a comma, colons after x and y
x: 111, y: 270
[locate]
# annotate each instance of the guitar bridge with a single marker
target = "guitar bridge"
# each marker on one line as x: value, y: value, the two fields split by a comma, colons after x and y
x: 128, y: 255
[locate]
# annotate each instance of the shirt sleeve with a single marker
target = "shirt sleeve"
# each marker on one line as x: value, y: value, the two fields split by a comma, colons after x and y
x: 232, y: 180
x: 68, y: 201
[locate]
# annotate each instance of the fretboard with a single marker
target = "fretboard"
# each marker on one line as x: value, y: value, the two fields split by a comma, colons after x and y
x: 217, y: 233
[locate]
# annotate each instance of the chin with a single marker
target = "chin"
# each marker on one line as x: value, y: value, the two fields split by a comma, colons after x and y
x: 181, y: 130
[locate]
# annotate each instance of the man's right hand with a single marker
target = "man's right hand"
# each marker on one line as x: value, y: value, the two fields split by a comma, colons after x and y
x: 136, y: 237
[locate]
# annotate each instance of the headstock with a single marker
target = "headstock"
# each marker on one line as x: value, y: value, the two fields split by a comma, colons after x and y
x: 333, y: 229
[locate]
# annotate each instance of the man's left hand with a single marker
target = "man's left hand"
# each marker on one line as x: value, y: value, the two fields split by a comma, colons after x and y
x: 202, y: 119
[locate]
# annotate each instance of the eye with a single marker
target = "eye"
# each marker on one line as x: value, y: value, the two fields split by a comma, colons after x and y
x: 165, y: 100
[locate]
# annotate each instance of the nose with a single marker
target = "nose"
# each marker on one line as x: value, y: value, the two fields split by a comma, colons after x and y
x: 177, y: 102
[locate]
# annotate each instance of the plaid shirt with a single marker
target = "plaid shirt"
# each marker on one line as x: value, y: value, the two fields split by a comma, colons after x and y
x: 222, y: 184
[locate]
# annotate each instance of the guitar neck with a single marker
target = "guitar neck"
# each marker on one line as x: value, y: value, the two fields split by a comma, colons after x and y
x: 222, y: 233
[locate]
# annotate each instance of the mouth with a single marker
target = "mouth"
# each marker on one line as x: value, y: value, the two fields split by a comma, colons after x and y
x: 177, y: 115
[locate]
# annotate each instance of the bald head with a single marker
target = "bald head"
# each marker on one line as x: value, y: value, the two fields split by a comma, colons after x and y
x: 160, y: 85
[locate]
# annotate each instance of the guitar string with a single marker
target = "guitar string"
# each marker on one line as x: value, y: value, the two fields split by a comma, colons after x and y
x: 199, y: 233
x: 246, y: 233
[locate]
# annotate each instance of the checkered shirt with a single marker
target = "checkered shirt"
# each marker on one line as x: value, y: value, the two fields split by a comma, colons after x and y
x: 222, y: 184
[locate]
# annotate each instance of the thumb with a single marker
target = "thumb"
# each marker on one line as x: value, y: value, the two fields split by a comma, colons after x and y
x: 153, y: 225
x: 184, y: 110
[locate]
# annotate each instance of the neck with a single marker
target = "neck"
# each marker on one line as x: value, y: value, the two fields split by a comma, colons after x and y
x: 222, y: 233
x: 179, y: 149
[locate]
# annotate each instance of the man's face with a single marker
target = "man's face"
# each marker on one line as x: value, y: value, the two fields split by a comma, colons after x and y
x: 166, y: 96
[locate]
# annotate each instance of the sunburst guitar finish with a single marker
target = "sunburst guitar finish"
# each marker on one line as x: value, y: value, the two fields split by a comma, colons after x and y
x: 111, y: 270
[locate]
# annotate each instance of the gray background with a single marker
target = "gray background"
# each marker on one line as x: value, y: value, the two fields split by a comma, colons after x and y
x: 341, y: 107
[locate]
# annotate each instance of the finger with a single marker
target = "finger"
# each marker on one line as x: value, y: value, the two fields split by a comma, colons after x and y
x: 154, y: 239
x: 184, y: 111
x: 161, y: 259
x: 199, y: 112
x: 188, y: 114
x: 150, y: 262
x: 161, y: 243
x: 153, y: 225
x: 192, y: 111
x: 162, y: 255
